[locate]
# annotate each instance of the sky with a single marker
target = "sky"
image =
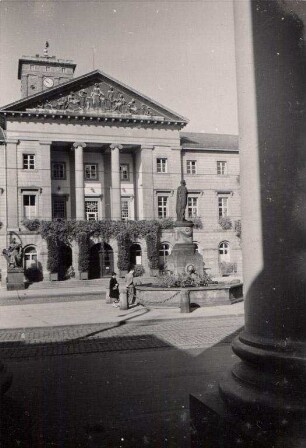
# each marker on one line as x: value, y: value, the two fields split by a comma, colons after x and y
x: 179, y: 52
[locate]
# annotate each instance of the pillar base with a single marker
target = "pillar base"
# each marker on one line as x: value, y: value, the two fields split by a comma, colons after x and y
x: 214, y: 425
x: 270, y: 381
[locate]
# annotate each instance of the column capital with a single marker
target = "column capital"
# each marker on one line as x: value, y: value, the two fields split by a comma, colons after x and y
x: 178, y: 148
x: 13, y: 141
x: 47, y: 143
x: 79, y: 144
x: 116, y: 145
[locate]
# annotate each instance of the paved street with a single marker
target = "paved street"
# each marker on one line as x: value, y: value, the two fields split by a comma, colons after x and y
x: 181, y: 334
x: 118, y: 385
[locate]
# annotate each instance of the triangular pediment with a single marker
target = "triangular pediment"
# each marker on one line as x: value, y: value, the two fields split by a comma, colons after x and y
x: 95, y: 95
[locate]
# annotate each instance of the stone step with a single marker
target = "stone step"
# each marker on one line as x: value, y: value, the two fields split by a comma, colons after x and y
x: 75, y: 283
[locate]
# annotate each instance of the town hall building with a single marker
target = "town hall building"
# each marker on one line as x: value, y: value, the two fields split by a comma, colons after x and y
x: 91, y: 148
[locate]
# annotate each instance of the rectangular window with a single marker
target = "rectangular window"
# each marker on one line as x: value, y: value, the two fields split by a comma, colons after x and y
x: 162, y: 206
x: 58, y: 170
x: 192, y: 207
x: 161, y: 165
x: 28, y: 161
x: 191, y: 166
x: 59, y: 208
x: 124, y: 172
x: 223, y: 206
x: 221, y: 168
x: 29, y: 206
x: 124, y: 209
x: 91, y: 210
x: 91, y: 171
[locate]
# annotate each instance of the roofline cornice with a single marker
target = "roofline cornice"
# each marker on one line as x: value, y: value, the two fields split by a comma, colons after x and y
x: 92, y: 118
x: 184, y: 148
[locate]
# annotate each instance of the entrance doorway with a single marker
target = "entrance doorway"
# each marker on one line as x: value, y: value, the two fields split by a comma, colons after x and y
x: 135, y: 254
x: 66, y: 261
x: 101, y: 261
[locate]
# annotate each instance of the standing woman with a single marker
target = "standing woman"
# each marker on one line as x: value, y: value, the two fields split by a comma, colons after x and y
x: 114, y: 290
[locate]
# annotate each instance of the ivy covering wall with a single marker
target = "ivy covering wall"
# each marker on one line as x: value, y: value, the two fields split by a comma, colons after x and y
x: 60, y: 231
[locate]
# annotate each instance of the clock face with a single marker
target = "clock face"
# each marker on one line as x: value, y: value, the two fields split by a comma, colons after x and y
x: 48, y: 82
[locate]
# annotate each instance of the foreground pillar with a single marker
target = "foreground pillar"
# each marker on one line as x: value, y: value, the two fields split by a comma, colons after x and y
x: 270, y: 380
x: 79, y: 180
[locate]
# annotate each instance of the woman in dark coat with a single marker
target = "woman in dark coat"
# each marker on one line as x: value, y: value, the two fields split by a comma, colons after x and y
x: 114, y: 290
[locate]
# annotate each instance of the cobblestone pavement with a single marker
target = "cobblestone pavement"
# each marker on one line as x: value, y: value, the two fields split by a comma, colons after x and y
x: 181, y: 334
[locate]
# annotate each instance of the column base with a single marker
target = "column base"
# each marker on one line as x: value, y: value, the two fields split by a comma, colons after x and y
x: 213, y: 425
x: 269, y: 383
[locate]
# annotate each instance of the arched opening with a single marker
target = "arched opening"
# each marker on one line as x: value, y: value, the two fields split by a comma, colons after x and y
x: 135, y: 254
x: 66, y: 262
x: 224, y: 252
x: 30, y: 257
x: 101, y: 262
x: 164, y: 251
x: 32, y: 267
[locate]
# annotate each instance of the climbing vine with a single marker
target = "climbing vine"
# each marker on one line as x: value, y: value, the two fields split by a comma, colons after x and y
x: 84, y: 254
x: 64, y: 232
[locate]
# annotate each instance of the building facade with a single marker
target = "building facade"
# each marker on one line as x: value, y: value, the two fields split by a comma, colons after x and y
x: 92, y: 148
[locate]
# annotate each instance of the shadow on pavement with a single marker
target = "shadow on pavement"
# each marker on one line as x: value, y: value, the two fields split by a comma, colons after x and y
x: 121, y: 391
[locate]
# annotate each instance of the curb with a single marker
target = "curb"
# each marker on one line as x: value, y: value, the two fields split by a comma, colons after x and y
x: 22, y: 294
x: 122, y: 322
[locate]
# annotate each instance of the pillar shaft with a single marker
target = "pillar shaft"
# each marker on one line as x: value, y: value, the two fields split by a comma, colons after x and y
x: 12, y: 184
x: 115, y: 178
x: 79, y: 180
x: 46, y: 196
x: 146, y: 188
x: 273, y: 165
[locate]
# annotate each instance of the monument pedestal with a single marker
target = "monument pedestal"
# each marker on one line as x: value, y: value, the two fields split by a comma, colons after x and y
x: 184, y: 258
x: 15, y: 279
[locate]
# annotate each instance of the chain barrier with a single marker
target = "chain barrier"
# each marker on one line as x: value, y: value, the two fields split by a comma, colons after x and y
x: 143, y: 301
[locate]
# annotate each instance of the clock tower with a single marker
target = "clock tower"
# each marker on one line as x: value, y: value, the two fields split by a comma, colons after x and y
x: 39, y: 73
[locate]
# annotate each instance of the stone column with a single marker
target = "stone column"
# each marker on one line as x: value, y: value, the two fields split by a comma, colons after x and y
x: 116, y: 188
x: 145, y: 183
x: 46, y: 210
x: 270, y: 382
x: 79, y: 180
x: 12, y: 184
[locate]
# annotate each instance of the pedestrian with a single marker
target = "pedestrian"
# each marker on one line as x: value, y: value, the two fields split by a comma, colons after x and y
x: 114, y: 290
x: 129, y: 284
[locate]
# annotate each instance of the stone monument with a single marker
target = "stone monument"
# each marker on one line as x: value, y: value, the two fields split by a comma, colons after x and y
x: 184, y: 258
x: 15, y: 271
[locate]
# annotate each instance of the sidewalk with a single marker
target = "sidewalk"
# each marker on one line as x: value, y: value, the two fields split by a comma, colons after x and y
x: 98, y: 311
x: 24, y: 294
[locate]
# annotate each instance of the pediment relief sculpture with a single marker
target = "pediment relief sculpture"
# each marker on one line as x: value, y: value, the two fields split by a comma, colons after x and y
x: 98, y: 99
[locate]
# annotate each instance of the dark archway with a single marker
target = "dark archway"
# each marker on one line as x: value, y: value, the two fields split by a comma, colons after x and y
x: 66, y: 261
x: 101, y: 262
x: 135, y: 254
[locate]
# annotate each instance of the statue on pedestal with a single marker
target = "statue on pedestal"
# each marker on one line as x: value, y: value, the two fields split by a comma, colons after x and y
x: 181, y: 201
x: 13, y: 254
